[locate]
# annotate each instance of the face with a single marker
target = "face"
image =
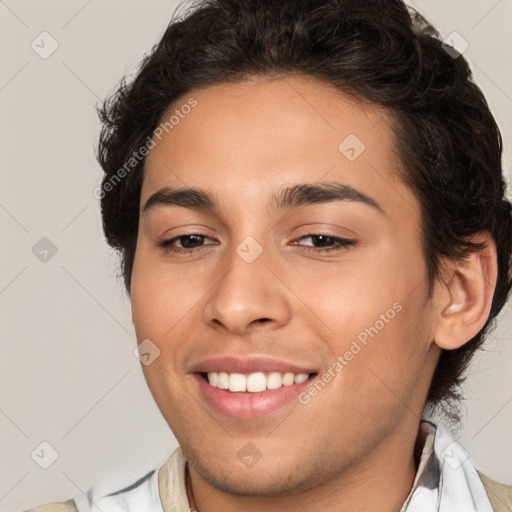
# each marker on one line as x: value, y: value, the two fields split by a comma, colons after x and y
x: 297, y: 257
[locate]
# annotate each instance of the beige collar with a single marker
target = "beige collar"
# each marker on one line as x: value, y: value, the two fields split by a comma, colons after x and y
x: 171, y: 483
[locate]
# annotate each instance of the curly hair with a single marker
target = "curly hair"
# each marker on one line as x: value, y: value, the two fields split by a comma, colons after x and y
x: 448, y: 142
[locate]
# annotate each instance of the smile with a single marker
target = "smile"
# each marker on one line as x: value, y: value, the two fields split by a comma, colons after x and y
x: 251, y: 396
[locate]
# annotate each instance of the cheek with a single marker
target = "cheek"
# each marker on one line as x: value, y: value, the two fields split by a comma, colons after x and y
x: 161, y: 295
x: 375, y: 379
x: 352, y: 295
x: 160, y: 309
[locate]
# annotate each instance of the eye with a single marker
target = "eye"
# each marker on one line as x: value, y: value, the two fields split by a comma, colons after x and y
x: 188, y: 243
x: 327, y: 243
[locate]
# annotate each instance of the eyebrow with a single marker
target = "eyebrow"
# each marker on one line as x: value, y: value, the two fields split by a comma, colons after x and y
x: 290, y: 197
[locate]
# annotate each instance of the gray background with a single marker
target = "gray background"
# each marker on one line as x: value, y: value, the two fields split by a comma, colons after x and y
x: 68, y: 375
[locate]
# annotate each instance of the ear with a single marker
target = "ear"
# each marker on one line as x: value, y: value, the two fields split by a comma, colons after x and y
x: 464, y: 297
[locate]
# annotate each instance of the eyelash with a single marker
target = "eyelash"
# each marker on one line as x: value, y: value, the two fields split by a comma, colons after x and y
x: 342, y: 243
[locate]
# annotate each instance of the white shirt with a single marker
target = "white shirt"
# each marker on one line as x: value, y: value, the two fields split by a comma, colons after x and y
x: 446, y: 481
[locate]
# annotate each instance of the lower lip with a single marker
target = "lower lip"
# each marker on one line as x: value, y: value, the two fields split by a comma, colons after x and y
x: 247, y: 405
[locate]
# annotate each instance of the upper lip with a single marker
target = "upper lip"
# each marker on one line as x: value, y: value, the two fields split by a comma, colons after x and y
x: 252, y: 364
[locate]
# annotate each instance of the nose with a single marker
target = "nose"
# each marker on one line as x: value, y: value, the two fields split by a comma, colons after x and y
x: 248, y: 297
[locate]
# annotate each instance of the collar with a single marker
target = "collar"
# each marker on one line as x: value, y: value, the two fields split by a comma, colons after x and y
x: 446, y: 479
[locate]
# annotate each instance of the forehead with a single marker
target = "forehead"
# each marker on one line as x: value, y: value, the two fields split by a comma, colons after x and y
x: 250, y: 138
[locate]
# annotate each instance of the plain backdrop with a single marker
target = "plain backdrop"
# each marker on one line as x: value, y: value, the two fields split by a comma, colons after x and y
x: 68, y: 375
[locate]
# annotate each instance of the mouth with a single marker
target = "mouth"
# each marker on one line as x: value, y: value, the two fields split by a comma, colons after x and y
x: 256, y: 382
x: 248, y: 396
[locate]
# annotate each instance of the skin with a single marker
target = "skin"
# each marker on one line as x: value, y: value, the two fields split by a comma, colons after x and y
x: 244, y: 141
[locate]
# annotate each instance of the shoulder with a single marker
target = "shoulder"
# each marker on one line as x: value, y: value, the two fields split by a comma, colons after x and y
x: 500, y: 495
x: 162, y: 488
x: 66, y: 506
x: 106, y: 496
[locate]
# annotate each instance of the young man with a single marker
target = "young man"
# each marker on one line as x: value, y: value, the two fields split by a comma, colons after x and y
x: 308, y: 201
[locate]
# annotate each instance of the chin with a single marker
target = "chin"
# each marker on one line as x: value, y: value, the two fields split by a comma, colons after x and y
x: 271, y: 478
x: 253, y: 482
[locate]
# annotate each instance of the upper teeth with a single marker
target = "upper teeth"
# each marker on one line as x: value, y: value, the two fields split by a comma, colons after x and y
x: 254, y: 382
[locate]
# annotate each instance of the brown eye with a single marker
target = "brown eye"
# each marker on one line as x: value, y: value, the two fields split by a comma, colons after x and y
x: 185, y: 243
x: 326, y: 243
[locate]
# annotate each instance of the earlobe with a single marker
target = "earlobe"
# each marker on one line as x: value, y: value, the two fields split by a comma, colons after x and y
x: 465, y: 296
